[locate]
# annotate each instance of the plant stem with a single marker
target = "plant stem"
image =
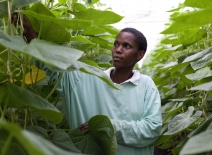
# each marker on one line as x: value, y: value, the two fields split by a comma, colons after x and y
x: 5, y: 108
x: 36, y: 78
x: 31, y: 76
x: 25, y: 120
x: 40, y: 30
x: 3, y: 51
x: 24, y: 72
x: 7, y: 144
x: 58, y: 81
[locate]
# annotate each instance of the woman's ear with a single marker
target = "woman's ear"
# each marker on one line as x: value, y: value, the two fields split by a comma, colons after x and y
x: 140, y: 55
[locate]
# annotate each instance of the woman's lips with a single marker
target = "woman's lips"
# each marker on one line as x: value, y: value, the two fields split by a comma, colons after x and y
x: 116, y: 58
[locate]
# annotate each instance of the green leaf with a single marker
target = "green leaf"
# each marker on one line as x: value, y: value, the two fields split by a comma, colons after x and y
x: 181, y: 99
x: 198, y: 55
x: 3, y: 8
x: 203, y: 127
x: 172, y: 111
x: 204, y: 80
x: 52, y: 54
x: 200, y: 143
x: 61, y: 139
x: 189, y: 37
x: 32, y: 143
x: 176, y: 27
x: 74, y: 24
x: 81, y: 43
x: 89, y: 70
x: 107, y: 17
x: 202, y: 62
x: 186, y: 70
x: 205, y: 86
x: 169, y: 65
x: 166, y: 52
x: 198, y: 3
x: 54, y: 32
x: 162, y: 139
x: 21, y: 3
x: 182, y: 121
x: 98, y: 140
x: 39, y: 131
x: 102, y: 42
x: 91, y: 63
x: 200, y: 74
x: 14, y: 147
x: 93, y: 30
x: 191, y: 18
x: 105, y: 58
x: 78, y: 7
x: 18, y: 97
x: 111, y: 29
x: 170, y: 40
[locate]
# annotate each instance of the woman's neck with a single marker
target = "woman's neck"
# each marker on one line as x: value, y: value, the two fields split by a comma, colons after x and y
x: 121, y: 75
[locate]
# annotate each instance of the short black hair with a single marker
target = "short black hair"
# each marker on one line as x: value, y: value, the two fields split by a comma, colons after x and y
x: 139, y: 38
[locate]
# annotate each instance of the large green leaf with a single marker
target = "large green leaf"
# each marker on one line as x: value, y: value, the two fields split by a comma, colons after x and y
x: 198, y: 3
x: 74, y: 24
x: 32, y: 143
x: 182, y: 121
x: 18, y: 97
x: 61, y: 139
x: 166, y: 52
x: 200, y: 74
x: 54, y: 32
x: 38, y: 131
x: 89, y: 70
x: 173, y: 111
x: 14, y: 148
x: 202, y: 62
x: 189, y: 37
x: 205, y: 86
x: 99, y: 17
x: 52, y: 54
x: 176, y: 27
x: 200, y: 143
x: 99, y: 140
x: 198, y: 55
x: 58, y: 137
x: 199, y: 17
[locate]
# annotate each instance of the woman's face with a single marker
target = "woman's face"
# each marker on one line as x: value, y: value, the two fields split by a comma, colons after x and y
x: 125, y: 51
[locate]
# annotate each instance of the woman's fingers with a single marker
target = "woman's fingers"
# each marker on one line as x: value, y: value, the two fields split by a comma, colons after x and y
x: 84, y: 127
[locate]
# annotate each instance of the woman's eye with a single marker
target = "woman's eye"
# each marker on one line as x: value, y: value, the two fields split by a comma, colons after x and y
x: 127, y: 46
x: 116, y: 44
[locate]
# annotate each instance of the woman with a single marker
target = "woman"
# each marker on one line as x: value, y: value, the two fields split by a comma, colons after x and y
x: 134, y: 110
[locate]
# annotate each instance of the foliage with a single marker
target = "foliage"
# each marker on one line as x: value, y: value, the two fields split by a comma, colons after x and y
x: 181, y: 68
x: 70, y: 36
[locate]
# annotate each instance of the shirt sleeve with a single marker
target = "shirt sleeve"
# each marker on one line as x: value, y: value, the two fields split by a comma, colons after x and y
x: 143, y: 132
x: 51, y: 75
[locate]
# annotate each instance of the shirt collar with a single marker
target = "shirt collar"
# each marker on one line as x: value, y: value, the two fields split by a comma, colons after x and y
x: 134, y: 79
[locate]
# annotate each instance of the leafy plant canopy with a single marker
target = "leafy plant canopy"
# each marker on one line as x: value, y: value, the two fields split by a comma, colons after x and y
x: 181, y: 68
x: 71, y: 36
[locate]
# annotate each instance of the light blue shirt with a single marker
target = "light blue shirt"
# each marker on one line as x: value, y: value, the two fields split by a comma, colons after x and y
x: 134, y: 110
